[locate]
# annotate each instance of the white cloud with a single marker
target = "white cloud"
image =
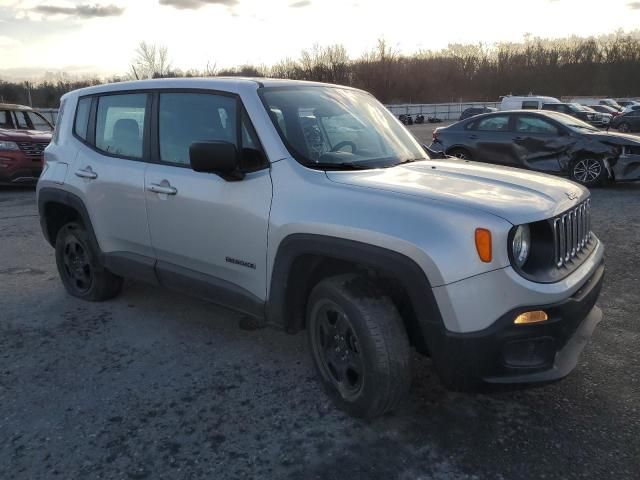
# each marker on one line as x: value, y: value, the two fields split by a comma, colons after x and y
x: 8, y: 41
x: 195, y: 4
x: 82, y: 10
x: 235, y: 32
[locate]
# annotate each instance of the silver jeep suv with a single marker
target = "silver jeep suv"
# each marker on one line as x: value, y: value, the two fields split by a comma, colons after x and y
x: 309, y: 206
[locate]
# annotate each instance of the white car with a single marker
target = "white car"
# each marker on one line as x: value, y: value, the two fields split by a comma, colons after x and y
x: 309, y: 206
x: 631, y: 108
x: 530, y: 102
x: 589, y: 101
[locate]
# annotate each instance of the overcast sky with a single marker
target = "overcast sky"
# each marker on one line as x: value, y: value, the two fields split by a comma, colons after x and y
x: 100, y: 36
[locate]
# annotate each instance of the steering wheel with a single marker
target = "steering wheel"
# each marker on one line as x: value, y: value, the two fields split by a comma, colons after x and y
x: 346, y: 143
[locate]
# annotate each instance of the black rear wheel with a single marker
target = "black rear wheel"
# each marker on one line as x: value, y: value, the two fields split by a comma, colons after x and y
x: 79, y: 267
x: 460, y: 153
x: 359, y: 345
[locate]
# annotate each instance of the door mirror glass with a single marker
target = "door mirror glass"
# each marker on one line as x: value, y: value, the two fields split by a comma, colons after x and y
x: 215, y: 157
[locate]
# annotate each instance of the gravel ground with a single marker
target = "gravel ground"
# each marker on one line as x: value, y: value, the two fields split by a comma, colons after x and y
x: 157, y: 385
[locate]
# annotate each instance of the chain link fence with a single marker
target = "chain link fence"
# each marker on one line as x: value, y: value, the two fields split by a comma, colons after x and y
x: 443, y: 111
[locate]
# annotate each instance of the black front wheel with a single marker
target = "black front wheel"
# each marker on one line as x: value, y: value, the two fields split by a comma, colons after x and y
x: 624, y: 127
x: 589, y: 172
x: 79, y: 267
x: 359, y: 345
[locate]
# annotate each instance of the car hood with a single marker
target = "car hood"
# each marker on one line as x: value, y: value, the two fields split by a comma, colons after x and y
x: 515, y: 195
x: 615, y: 138
x: 25, y: 135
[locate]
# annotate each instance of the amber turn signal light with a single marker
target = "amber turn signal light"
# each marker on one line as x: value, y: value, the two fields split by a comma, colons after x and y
x: 483, y: 244
x: 536, y: 316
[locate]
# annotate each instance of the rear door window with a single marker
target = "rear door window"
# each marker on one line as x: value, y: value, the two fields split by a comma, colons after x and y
x: 535, y: 125
x: 22, y: 121
x: 120, y: 122
x: 498, y: 123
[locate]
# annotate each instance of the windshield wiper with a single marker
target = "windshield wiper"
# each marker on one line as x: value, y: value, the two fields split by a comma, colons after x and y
x: 338, y: 166
x: 409, y: 160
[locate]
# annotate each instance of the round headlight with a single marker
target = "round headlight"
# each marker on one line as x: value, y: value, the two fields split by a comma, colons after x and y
x: 521, y: 246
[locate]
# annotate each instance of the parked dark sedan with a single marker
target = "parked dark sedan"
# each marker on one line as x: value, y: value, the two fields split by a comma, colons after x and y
x: 572, y: 109
x: 547, y: 142
x: 627, y: 122
x: 473, y: 111
x: 605, y: 109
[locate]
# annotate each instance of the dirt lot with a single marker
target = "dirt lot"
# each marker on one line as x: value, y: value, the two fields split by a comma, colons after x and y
x: 157, y: 385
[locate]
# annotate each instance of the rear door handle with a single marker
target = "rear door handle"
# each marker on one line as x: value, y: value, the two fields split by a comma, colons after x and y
x: 473, y: 137
x: 519, y: 138
x: 162, y: 188
x: 86, y: 172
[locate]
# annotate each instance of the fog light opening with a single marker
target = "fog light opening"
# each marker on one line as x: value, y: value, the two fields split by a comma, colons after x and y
x: 535, y: 316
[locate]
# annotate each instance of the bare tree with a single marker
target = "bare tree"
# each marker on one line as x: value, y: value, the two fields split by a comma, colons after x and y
x: 608, y: 65
x: 151, y: 61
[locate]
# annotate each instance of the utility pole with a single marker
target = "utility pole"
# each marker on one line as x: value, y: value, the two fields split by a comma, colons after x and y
x: 28, y: 88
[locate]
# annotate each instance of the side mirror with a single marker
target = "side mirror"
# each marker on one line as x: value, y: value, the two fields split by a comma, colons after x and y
x: 220, y: 158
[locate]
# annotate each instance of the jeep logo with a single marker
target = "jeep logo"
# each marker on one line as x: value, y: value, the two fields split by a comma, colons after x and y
x: 572, y: 195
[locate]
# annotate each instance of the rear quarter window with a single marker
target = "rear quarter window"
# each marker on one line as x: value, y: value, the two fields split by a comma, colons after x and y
x: 58, y: 125
x: 82, y: 118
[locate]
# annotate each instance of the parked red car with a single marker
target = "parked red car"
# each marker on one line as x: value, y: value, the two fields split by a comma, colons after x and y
x: 24, y: 134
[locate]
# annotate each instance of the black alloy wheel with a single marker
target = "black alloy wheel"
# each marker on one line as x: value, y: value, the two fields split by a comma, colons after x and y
x: 338, y: 349
x: 76, y: 265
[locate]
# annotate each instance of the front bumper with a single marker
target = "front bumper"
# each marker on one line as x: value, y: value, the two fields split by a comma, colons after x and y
x: 505, y: 353
x: 16, y: 168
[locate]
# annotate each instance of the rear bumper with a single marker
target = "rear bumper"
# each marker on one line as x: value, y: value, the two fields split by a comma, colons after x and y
x: 627, y: 167
x: 505, y: 353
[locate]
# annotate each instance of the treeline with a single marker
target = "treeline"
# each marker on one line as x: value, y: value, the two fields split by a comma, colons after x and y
x: 608, y: 65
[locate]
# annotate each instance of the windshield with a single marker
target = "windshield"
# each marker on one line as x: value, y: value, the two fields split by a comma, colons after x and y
x: 575, y: 107
x: 329, y: 127
x: 23, y: 120
x: 611, y: 103
x: 571, y: 122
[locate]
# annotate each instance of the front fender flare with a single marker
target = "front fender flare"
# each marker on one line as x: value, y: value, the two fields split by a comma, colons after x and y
x: 393, y: 264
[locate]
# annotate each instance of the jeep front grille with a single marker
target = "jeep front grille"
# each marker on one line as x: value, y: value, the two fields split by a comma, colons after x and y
x: 572, y: 233
x: 32, y: 149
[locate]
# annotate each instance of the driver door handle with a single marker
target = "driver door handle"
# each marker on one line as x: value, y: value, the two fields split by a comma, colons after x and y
x: 86, y: 172
x: 473, y: 137
x: 167, y: 189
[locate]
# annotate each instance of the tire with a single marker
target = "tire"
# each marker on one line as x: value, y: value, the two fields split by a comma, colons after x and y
x: 79, y: 266
x: 359, y: 346
x: 624, y: 127
x: 461, y: 153
x: 587, y: 171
